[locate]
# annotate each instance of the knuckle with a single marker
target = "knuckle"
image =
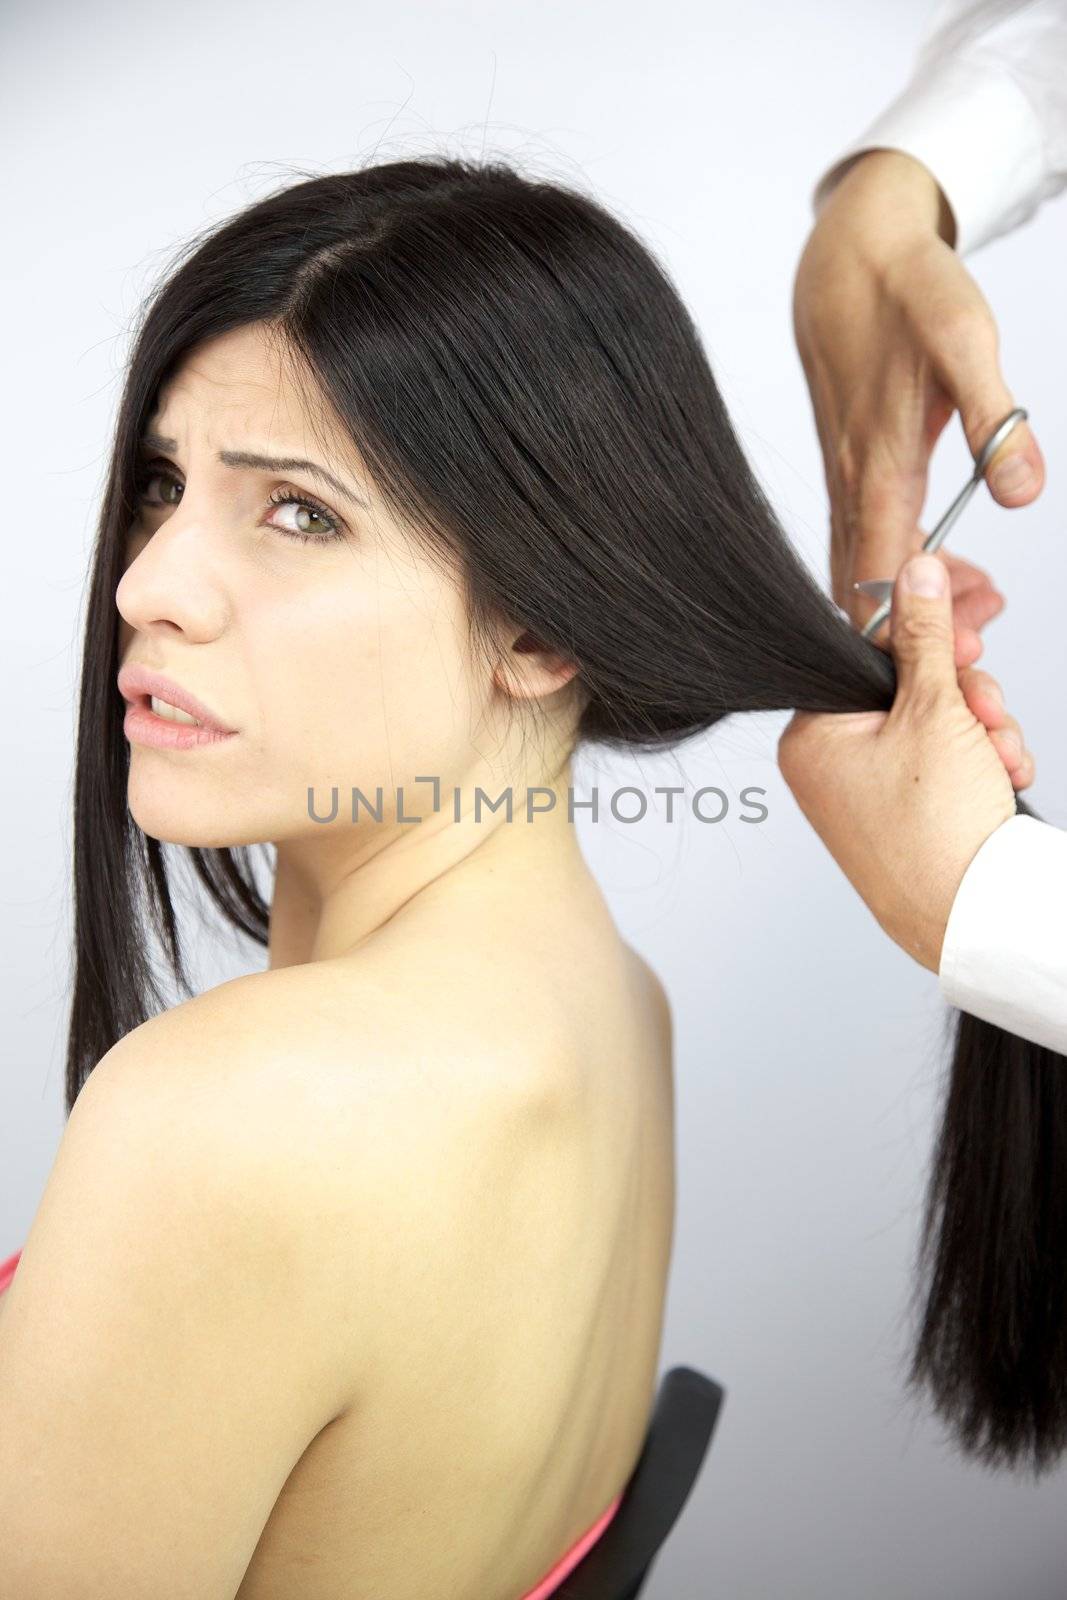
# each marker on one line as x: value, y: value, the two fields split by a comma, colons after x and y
x: 975, y: 680
x: 846, y: 463
x: 920, y: 628
x: 925, y: 701
x: 967, y: 328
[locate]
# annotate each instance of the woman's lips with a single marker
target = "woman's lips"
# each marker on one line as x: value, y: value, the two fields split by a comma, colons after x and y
x: 137, y: 683
x: 142, y: 726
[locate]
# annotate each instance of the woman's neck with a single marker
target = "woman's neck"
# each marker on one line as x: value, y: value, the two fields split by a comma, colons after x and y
x: 335, y: 893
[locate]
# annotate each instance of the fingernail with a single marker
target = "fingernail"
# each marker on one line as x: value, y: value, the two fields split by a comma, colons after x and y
x: 1012, y: 740
x: 995, y: 694
x: 925, y: 575
x: 1011, y: 475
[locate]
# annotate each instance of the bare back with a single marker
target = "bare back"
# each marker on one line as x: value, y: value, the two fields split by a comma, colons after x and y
x: 523, y: 1170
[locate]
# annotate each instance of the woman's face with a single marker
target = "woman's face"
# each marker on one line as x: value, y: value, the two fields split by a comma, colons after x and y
x: 339, y: 659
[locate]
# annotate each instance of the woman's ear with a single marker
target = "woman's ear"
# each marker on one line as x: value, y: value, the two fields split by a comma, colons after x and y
x: 530, y: 669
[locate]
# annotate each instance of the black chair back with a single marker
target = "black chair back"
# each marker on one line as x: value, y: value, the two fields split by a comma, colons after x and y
x: 683, y: 1419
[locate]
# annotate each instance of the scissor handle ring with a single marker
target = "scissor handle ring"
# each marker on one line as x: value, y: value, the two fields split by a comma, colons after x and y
x: 993, y: 444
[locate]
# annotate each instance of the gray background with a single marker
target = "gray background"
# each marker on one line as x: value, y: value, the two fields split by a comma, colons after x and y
x: 809, y: 1048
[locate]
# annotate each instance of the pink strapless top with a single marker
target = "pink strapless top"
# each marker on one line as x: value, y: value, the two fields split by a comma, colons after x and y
x: 566, y: 1563
x: 7, y: 1269
x: 551, y: 1580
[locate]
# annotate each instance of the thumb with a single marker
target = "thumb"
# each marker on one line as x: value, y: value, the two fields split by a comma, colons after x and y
x: 965, y: 360
x: 921, y: 632
x: 1015, y: 475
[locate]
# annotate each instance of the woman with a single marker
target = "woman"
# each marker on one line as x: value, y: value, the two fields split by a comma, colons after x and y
x: 349, y: 1276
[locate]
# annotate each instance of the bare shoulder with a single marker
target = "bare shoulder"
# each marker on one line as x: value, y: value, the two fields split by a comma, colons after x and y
x: 332, y: 1070
x: 329, y: 1081
x: 299, y: 1031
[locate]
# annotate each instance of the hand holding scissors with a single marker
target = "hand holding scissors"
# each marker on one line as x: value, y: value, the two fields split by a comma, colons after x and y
x: 882, y: 588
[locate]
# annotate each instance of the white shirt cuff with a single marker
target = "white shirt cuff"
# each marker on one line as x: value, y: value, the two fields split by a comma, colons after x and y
x: 975, y: 130
x: 1004, y: 956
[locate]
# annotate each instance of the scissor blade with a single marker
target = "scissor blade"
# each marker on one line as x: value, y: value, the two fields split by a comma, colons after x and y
x: 877, y: 588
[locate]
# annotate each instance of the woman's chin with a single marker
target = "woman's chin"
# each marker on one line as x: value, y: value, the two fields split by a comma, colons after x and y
x: 169, y: 830
x: 162, y: 817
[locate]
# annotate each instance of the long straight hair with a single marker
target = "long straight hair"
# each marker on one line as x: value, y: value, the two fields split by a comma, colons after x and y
x: 531, y: 397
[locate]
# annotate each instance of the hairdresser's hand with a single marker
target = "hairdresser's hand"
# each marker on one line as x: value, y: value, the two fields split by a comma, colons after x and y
x: 894, y: 335
x: 904, y: 798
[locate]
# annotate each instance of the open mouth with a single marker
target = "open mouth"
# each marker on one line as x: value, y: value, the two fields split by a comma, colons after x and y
x: 169, y: 713
x: 152, y: 721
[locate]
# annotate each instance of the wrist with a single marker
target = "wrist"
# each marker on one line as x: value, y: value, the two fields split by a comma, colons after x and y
x: 888, y: 195
x: 917, y: 926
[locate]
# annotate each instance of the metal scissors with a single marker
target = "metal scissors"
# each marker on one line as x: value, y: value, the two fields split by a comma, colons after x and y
x: 882, y: 588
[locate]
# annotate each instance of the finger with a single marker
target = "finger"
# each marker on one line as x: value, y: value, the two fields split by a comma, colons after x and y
x: 1010, y: 748
x: 975, y: 609
x: 964, y: 352
x: 969, y: 647
x: 1023, y: 776
x: 921, y: 633
x: 1016, y: 472
x: 1010, y: 726
x: 963, y: 574
x: 975, y: 600
x: 1004, y: 730
x: 985, y: 697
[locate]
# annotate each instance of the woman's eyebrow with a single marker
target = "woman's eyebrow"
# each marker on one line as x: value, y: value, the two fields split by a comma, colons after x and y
x: 247, y: 458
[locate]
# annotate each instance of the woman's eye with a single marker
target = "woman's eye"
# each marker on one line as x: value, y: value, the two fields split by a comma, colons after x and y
x: 312, y: 522
x: 150, y: 477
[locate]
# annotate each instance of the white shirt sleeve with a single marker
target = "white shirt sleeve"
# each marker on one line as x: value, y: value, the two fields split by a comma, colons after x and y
x: 985, y: 112
x: 1004, y: 956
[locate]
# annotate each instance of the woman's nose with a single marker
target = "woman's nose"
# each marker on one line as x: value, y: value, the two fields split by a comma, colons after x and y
x: 172, y: 576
